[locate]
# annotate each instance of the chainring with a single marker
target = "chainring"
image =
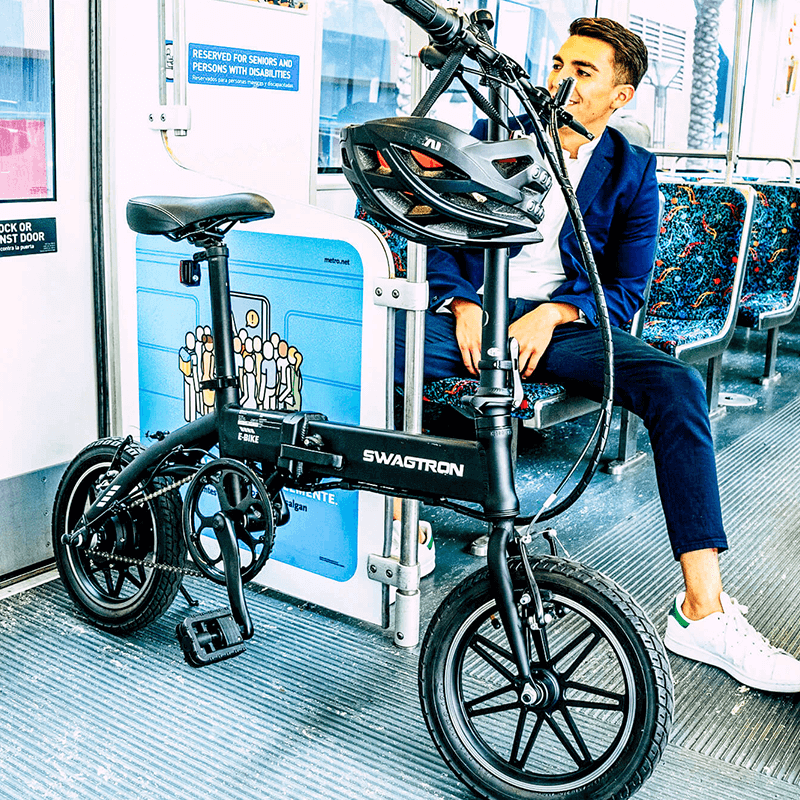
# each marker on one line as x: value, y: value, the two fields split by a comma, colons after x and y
x: 232, y: 488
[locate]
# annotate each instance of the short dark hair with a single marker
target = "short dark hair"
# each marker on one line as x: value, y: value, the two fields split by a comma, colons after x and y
x: 630, y: 52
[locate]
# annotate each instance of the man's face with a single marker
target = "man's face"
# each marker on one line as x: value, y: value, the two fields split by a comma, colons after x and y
x: 596, y: 94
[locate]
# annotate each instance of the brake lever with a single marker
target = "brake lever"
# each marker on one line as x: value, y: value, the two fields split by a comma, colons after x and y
x: 543, y: 103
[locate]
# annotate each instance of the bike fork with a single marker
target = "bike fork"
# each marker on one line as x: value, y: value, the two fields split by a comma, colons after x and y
x: 503, y: 590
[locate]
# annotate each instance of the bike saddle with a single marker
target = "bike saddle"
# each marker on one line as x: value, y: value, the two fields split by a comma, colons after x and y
x: 179, y: 217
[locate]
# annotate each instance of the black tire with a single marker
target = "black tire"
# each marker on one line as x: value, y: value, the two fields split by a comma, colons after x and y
x: 115, y: 596
x: 604, y: 728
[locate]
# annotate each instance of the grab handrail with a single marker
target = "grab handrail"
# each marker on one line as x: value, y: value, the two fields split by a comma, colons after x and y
x: 661, y: 153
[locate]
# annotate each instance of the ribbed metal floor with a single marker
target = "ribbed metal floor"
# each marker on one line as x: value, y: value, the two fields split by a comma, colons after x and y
x: 760, y: 487
x: 321, y: 707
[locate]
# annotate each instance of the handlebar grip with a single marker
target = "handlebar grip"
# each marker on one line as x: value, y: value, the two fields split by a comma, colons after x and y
x: 438, y: 22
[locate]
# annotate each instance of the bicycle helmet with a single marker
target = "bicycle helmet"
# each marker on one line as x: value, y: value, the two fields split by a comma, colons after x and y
x: 437, y: 185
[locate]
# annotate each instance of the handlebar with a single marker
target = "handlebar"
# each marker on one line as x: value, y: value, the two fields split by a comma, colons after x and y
x: 447, y: 29
x: 442, y: 25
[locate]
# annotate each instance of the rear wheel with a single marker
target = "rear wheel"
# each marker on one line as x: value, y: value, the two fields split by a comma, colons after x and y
x: 602, y: 721
x: 117, y: 596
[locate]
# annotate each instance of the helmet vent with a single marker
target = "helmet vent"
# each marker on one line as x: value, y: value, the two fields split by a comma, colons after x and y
x: 509, y: 167
x: 430, y: 168
x: 367, y: 158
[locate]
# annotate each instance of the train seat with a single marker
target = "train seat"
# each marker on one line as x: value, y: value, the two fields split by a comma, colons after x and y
x: 700, y: 257
x: 543, y: 405
x: 771, y: 288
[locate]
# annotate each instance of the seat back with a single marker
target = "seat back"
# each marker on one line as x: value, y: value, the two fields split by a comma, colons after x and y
x: 771, y: 276
x: 398, y: 245
x: 698, y: 251
x: 700, y: 257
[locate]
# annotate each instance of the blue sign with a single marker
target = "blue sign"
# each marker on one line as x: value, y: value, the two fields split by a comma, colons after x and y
x: 233, y: 66
x: 296, y: 322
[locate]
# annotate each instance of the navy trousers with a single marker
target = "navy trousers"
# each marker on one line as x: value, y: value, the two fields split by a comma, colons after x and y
x: 669, y: 397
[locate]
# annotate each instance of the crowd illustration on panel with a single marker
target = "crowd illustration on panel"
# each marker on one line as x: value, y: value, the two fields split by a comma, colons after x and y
x: 268, y: 370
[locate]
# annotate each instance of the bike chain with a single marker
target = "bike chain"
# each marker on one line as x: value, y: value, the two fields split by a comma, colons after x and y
x: 144, y: 562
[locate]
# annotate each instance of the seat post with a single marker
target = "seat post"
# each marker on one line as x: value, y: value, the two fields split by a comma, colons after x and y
x: 227, y: 388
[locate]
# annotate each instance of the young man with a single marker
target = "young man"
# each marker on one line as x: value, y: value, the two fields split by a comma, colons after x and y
x: 554, y: 319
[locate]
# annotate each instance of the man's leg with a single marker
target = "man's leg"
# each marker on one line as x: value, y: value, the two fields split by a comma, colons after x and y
x: 704, y: 623
x: 703, y: 583
x: 670, y: 398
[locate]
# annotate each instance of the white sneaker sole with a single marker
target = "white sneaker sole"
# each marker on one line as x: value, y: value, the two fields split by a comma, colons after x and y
x: 698, y: 654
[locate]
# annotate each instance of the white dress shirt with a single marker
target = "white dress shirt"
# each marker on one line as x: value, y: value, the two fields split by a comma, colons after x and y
x: 536, y: 272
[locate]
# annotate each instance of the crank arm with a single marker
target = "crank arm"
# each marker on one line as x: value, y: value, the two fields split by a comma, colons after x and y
x: 226, y: 537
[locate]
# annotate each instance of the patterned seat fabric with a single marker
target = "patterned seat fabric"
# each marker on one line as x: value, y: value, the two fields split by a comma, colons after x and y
x: 669, y: 334
x: 771, y: 272
x: 695, y: 268
x: 397, y: 244
x: 454, y: 391
x: 451, y: 391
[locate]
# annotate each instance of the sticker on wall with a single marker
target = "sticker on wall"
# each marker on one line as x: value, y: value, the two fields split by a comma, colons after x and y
x: 233, y: 66
x: 27, y: 237
x: 283, y: 5
x: 296, y: 326
x: 23, y: 159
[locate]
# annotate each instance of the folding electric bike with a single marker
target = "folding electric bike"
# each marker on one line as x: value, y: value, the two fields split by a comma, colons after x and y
x: 539, y: 677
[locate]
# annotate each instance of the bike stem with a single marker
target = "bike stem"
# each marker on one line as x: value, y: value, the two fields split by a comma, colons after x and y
x: 493, y: 426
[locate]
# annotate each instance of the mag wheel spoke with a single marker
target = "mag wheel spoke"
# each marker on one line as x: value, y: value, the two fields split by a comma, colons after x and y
x: 614, y: 701
x: 586, y: 726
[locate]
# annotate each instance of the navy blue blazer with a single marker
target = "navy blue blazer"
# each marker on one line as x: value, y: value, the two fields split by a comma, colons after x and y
x: 618, y: 197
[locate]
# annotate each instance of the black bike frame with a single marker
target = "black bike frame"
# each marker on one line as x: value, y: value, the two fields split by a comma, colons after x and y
x: 303, y: 449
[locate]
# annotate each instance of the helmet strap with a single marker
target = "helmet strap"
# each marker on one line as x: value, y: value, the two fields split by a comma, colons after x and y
x: 442, y: 81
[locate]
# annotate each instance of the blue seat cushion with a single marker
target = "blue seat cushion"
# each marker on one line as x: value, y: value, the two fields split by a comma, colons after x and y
x: 697, y: 252
x: 668, y: 334
x: 754, y: 306
x: 453, y: 391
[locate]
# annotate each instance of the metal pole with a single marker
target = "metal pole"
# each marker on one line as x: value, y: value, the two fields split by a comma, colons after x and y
x: 162, y: 54
x: 178, y: 49
x: 406, y: 622
x: 407, y: 602
x: 736, y: 90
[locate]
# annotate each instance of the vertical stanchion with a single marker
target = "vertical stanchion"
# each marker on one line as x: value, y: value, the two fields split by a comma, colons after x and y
x: 406, y: 622
x: 407, y: 601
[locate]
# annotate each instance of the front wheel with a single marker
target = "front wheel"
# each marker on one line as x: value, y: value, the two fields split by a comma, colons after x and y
x: 115, y: 595
x: 601, y: 723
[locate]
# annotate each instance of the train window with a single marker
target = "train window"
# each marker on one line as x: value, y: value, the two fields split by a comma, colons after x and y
x: 529, y: 31
x: 27, y: 169
x: 364, y: 74
x: 684, y: 97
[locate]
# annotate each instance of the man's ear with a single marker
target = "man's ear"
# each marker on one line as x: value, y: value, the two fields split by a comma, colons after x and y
x: 623, y: 95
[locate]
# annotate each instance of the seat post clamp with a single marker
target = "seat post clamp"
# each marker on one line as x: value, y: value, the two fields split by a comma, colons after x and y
x: 224, y: 382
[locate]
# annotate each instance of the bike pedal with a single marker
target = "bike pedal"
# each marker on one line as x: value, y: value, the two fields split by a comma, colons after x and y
x: 211, y: 637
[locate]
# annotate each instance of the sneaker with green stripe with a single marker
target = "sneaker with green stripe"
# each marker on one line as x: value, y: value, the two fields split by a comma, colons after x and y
x: 728, y: 641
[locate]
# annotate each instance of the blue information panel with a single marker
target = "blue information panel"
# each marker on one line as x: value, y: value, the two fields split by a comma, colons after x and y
x: 296, y: 321
x: 233, y: 66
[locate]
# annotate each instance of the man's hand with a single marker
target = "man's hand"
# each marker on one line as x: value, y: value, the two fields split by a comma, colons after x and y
x: 535, y: 330
x: 469, y: 317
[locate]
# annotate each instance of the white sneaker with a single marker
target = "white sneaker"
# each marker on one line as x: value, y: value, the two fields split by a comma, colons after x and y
x: 426, y: 553
x: 728, y: 641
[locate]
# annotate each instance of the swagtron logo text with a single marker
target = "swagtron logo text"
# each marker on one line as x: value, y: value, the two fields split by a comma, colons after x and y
x: 412, y: 462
